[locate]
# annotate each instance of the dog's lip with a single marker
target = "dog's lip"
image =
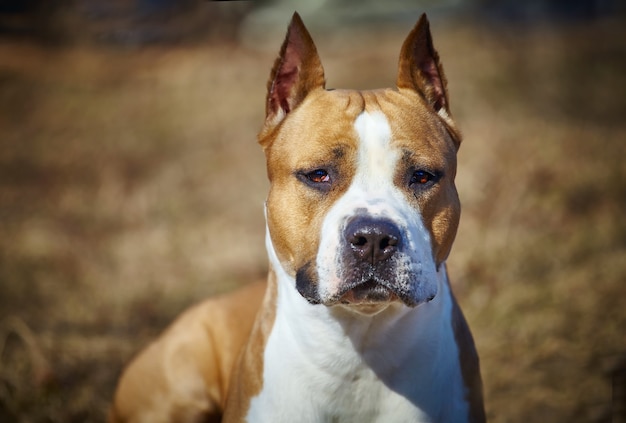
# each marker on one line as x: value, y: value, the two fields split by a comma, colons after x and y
x: 368, y: 292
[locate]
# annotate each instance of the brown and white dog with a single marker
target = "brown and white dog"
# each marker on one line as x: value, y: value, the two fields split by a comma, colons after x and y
x: 357, y: 322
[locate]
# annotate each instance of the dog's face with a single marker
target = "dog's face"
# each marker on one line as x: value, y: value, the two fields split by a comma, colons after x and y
x: 362, y: 208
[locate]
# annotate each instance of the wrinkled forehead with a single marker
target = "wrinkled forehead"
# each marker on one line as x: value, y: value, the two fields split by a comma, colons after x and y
x: 325, y: 122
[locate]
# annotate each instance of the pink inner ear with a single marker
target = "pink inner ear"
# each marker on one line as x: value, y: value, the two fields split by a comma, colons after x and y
x: 419, y: 66
x: 283, y: 84
x: 287, y: 74
x: 429, y: 69
x: 296, y: 72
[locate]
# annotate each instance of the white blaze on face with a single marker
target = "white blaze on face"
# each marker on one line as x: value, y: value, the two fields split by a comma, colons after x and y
x: 373, y: 193
x: 377, y: 161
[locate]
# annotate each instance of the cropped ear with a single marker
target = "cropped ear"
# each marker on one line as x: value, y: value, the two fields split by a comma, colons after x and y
x: 297, y: 71
x: 419, y: 68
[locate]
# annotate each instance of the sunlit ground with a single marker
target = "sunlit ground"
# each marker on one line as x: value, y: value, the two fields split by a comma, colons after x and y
x: 131, y: 186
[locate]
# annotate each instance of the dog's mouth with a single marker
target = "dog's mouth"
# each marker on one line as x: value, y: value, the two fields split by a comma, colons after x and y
x: 368, y: 292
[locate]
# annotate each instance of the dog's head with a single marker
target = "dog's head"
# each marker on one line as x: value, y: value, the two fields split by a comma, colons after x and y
x: 362, y: 208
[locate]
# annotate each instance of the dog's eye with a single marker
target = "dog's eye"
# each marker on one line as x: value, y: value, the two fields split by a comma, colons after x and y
x: 421, y: 177
x: 318, y: 176
x: 319, y: 179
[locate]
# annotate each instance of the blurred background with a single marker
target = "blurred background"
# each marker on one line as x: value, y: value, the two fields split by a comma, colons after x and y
x: 131, y: 184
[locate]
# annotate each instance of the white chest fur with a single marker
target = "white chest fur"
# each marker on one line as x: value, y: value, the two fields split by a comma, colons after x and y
x: 326, y: 364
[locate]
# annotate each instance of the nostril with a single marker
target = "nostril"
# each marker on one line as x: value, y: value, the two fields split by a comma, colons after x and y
x: 359, y: 241
x: 388, y: 242
x: 384, y: 243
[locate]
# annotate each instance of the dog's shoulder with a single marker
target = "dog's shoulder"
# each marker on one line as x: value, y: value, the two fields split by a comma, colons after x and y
x: 185, y: 372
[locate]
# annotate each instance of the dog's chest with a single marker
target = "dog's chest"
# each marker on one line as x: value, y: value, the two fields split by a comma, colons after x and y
x: 320, y: 398
x: 303, y: 386
x: 317, y: 369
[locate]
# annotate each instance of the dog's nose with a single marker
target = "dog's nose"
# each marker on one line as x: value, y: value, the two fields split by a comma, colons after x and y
x: 373, y: 240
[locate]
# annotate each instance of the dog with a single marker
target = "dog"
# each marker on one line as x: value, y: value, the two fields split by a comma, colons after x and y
x: 357, y: 321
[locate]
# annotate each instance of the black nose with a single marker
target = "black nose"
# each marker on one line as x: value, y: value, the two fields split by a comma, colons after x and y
x: 373, y: 240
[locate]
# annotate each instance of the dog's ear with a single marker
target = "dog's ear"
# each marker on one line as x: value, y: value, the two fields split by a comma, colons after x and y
x: 297, y: 71
x: 419, y: 68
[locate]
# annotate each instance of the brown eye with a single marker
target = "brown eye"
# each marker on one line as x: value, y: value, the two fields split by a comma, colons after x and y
x: 318, y: 179
x: 318, y: 176
x: 421, y: 177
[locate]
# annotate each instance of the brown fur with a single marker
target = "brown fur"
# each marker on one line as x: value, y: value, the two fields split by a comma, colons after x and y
x: 184, y: 375
x: 469, y: 364
x: 247, y: 375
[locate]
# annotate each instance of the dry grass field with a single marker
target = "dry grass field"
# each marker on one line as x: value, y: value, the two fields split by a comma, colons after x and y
x: 131, y: 186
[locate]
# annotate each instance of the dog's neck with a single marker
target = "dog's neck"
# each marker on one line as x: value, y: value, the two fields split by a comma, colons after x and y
x: 369, y: 358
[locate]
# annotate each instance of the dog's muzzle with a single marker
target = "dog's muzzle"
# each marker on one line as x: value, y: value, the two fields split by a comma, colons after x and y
x: 376, y: 263
x: 370, y: 261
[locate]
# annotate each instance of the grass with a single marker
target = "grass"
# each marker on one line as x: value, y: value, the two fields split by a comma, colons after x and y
x: 131, y: 186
